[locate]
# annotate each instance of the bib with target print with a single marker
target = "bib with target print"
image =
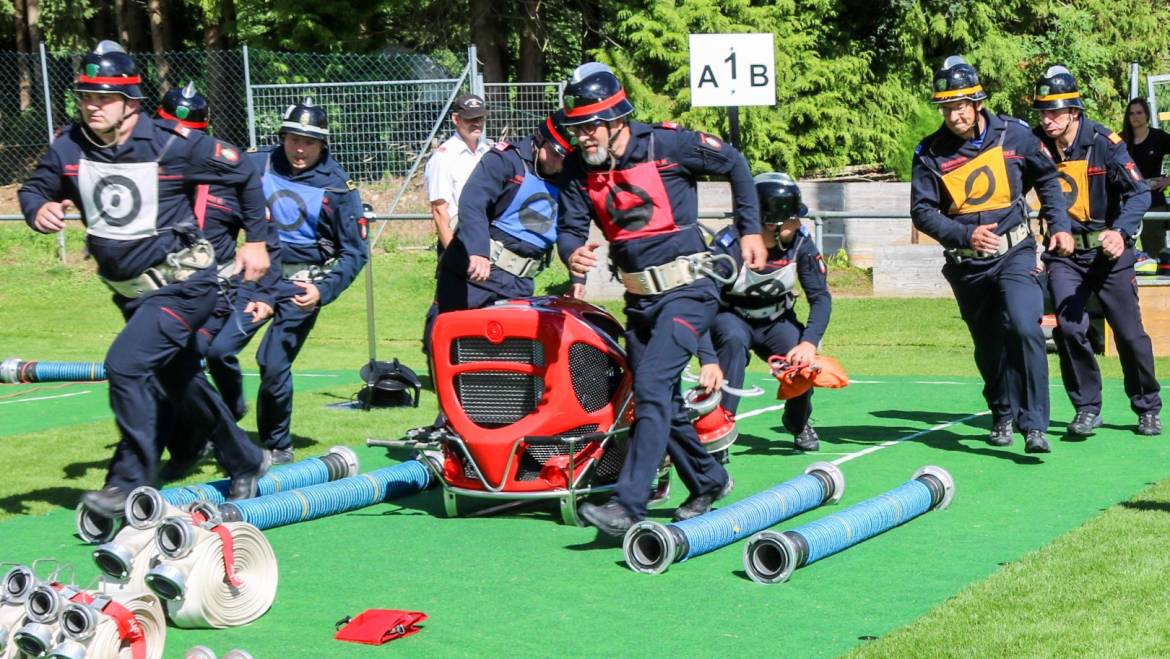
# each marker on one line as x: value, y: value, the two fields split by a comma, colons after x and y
x: 532, y: 215
x: 980, y: 185
x: 120, y: 199
x: 295, y: 209
x: 1074, y: 183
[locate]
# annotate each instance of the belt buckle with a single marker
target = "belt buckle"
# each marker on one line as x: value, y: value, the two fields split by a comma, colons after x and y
x: 654, y: 281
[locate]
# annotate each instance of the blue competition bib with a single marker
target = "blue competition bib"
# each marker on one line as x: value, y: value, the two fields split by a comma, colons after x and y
x: 532, y: 215
x: 295, y: 209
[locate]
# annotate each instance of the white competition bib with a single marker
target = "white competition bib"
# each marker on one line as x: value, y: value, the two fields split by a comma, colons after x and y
x: 120, y: 199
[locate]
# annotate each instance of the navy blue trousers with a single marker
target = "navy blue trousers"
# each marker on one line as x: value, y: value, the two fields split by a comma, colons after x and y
x: 158, y: 349
x: 1071, y: 280
x: 662, y: 334
x: 736, y: 337
x: 236, y: 328
x: 1002, y: 303
x: 226, y: 334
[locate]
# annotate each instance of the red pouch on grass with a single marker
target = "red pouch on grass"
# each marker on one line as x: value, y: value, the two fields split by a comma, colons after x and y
x: 377, y: 626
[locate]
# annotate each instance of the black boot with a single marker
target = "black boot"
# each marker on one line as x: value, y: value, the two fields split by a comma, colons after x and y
x: 611, y: 519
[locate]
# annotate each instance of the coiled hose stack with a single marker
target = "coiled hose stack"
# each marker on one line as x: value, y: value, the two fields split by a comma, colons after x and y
x: 45, y: 618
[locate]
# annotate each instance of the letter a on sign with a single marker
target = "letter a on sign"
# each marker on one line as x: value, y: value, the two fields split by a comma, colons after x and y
x: 733, y: 70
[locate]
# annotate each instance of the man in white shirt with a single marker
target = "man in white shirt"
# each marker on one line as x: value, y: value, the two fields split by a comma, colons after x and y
x: 448, y: 169
x: 451, y: 164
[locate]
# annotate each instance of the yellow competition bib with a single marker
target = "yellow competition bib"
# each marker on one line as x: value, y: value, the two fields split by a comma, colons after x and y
x: 1074, y: 182
x: 980, y: 185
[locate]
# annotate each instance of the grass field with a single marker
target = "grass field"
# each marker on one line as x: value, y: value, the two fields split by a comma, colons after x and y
x: 1057, y: 555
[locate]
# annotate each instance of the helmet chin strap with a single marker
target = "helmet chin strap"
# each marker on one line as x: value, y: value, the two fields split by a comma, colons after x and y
x: 117, y: 129
x: 613, y: 136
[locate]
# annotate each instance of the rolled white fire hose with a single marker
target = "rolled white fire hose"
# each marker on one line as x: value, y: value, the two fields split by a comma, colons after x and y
x: 196, y: 584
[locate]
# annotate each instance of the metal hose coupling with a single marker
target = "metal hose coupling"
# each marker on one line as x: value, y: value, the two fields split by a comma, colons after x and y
x: 146, y: 508
x: 68, y: 649
x: 93, y: 528
x: 79, y: 621
x: 45, y: 602
x: 176, y: 537
x: 167, y: 581
x: 35, y: 638
x: 341, y: 461
x: 18, y: 583
x: 10, y: 371
x: 116, y: 559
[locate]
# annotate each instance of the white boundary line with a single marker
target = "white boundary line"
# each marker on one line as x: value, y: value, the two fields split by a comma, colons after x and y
x: 29, y: 400
x: 874, y: 449
x: 748, y: 415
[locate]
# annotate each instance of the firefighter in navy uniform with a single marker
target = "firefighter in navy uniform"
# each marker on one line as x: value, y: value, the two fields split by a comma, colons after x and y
x: 967, y: 192
x: 1107, y: 199
x: 638, y: 183
x: 507, y: 222
x: 243, y: 306
x: 318, y: 215
x: 133, y: 179
x: 757, y: 312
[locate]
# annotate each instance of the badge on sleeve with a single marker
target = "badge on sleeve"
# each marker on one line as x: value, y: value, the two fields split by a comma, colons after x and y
x: 711, y: 141
x: 501, y: 146
x: 350, y: 185
x: 670, y: 124
x: 821, y: 265
x: 363, y: 227
x: 226, y: 153
x: 1115, y: 138
x: 1131, y: 167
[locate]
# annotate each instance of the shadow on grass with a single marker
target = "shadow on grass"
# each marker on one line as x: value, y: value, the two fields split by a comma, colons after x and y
x: 1147, y: 506
x: 80, y: 469
x: 65, y: 497
x: 842, y: 437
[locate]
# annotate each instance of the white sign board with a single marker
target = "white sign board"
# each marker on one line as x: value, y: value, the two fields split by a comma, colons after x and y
x: 732, y: 69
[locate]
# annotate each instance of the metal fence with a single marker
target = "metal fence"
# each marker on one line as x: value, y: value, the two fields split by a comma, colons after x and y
x: 517, y: 108
x: 386, y: 110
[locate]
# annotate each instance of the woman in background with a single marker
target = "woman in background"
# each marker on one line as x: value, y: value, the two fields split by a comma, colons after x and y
x: 1150, y: 148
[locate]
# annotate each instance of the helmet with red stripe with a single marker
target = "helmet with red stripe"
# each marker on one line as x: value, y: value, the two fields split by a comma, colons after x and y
x: 595, y: 94
x: 109, y: 70
x: 186, y: 106
x: 553, y: 133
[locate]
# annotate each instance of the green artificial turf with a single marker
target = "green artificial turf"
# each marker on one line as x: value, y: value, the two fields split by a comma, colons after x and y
x: 524, y: 584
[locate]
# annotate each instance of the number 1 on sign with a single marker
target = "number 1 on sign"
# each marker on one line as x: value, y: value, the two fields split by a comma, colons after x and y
x: 731, y: 59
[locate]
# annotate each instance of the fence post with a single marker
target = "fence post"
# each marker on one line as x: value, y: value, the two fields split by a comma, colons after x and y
x: 819, y: 233
x: 248, y: 94
x: 474, y: 81
x: 49, y: 127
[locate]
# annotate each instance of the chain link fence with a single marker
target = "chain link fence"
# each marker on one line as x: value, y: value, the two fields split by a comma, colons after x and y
x: 517, y: 108
x: 386, y: 110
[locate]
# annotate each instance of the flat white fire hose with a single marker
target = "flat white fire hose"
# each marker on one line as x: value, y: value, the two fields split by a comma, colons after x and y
x: 198, y: 588
x: 93, y: 634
